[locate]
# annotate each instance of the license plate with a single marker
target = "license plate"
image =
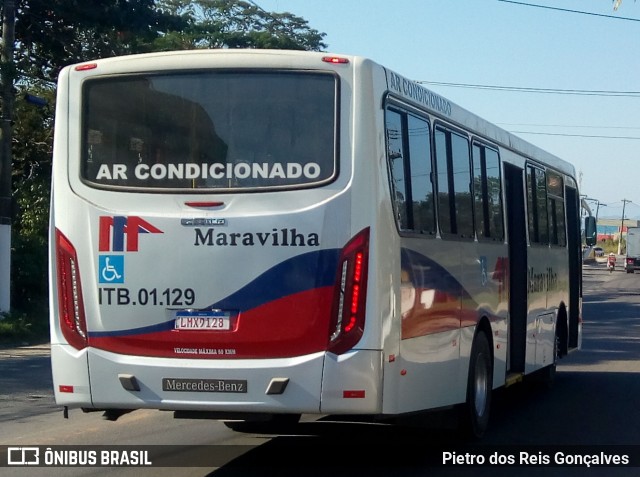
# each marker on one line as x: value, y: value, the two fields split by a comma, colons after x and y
x: 203, y: 320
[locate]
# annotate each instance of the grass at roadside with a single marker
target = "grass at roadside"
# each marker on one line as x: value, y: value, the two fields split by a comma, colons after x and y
x: 23, y: 328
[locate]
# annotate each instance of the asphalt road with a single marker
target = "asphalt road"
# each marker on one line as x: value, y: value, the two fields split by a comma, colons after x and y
x: 593, y: 403
x: 26, y: 387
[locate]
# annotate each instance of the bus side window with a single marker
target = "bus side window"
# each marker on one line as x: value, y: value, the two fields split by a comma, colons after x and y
x: 555, y: 194
x: 487, y: 195
x: 494, y: 195
x: 453, y: 168
x: 423, y: 206
x: 538, y: 217
x: 409, y: 157
x: 395, y: 157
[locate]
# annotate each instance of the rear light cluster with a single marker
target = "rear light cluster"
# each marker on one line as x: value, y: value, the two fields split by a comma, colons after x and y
x: 348, y: 312
x: 70, y: 304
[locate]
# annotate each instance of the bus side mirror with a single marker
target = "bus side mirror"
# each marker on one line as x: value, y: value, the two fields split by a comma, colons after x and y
x: 590, y: 233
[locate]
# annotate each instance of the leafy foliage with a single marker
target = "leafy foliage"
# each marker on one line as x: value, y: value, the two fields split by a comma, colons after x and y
x: 53, y: 33
x: 32, y: 148
x: 236, y: 24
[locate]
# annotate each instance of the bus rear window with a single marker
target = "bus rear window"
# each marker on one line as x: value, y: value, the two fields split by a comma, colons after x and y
x: 224, y: 130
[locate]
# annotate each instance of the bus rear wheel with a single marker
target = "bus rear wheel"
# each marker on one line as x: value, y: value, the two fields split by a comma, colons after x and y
x: 474, y: 417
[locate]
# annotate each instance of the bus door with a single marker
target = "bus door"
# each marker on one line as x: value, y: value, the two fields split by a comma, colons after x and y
x: 516, y: 228
x: 575, y: 268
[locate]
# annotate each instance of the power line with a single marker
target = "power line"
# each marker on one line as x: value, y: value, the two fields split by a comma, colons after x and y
x: 566, y: 10
x: 526, y: 89
x: 568, y: 126
x: 583, y: 92
x: 594, y: 136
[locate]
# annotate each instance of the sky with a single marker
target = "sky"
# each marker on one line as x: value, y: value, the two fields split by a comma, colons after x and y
x: 584, y: 48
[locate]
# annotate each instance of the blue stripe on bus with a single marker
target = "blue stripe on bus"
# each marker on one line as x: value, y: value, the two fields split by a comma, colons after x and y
x: 298, y: 274
x: 166, y: 326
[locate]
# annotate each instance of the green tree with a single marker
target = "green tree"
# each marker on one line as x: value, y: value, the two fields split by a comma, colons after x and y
x: 32, y: 142
x: 235, y: 24
x: 53, y: 33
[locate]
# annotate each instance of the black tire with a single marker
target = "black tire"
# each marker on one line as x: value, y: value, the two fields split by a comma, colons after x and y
x: 474, y: 417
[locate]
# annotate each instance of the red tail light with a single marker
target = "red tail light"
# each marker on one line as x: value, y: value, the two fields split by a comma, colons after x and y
x: 70, y: 304
x: 335, y: 59
x: 86, y: 66
x: 348, y: 312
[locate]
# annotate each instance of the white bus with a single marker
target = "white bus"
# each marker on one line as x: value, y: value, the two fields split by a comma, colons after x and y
x: 254, y: 234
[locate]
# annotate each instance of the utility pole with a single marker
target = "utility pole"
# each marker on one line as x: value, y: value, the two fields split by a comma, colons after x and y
x: 7, y: 77
x: 598, y: 205
x: 624, y: 203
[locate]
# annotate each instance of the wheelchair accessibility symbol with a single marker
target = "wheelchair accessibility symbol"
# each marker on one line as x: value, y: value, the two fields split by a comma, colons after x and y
x: 111, y: 269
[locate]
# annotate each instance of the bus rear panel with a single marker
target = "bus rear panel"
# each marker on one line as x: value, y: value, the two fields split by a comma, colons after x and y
x: 204, y: 255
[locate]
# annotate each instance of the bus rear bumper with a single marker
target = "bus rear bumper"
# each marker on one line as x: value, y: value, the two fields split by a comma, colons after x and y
x: 311, y: 384
x: 262, y: 386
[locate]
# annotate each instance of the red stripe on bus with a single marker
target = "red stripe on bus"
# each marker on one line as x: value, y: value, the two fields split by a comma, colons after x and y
x: 295, y: 325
